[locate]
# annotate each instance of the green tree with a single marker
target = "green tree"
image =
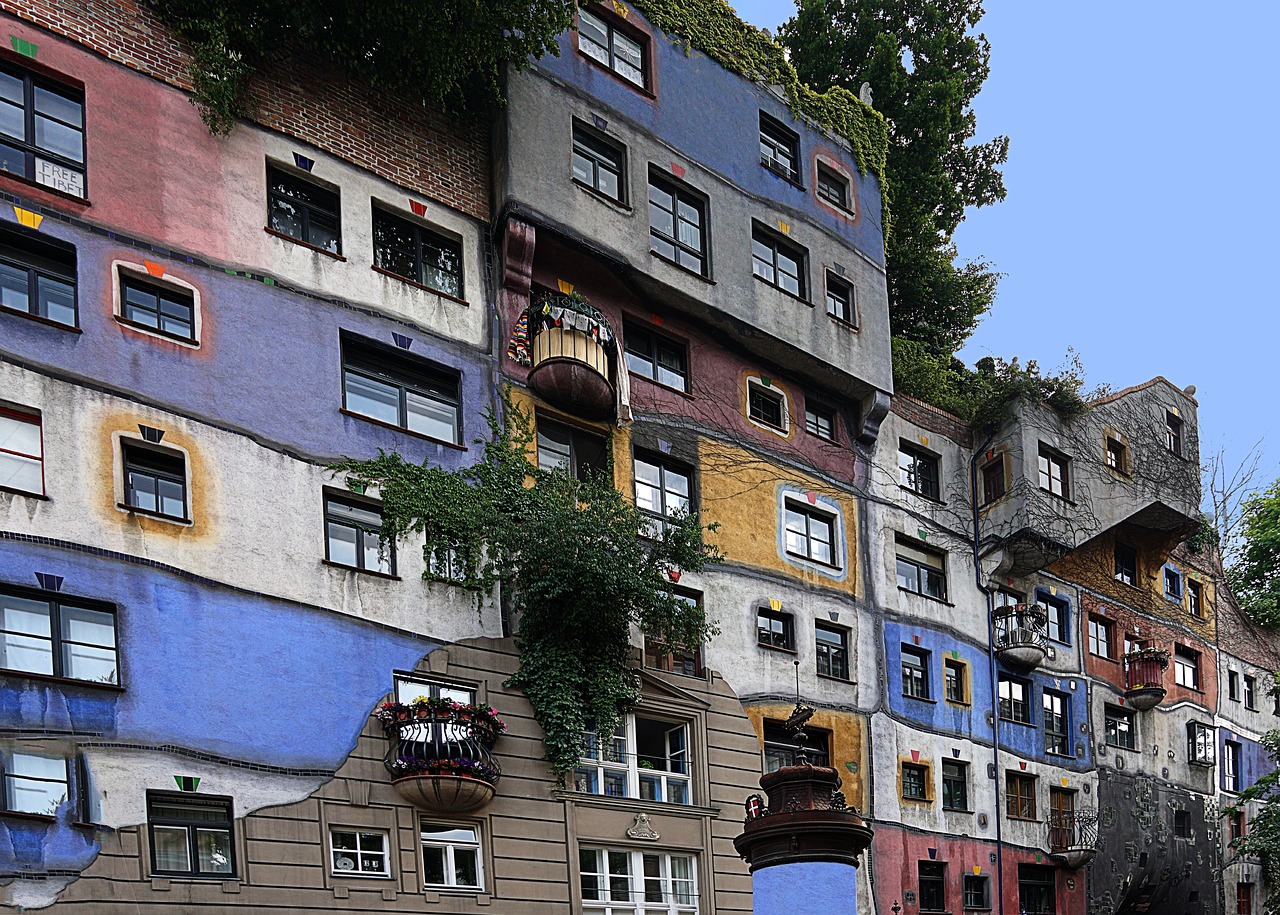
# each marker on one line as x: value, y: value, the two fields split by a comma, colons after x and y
x: 577, y: 563
x: 449, y: 53
x: 1254, y: 574
x: 925, y: 65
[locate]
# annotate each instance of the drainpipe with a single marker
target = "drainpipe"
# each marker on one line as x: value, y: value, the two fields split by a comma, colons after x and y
x: 991, y: 669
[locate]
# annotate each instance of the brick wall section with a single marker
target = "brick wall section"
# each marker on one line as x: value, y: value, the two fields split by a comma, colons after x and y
x: 930, y: 417
x: 304, y: 98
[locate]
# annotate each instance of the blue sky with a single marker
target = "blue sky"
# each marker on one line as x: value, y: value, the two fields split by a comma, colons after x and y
x: 1139, y: 226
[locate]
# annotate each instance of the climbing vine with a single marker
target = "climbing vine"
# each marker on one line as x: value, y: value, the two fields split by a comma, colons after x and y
x: 578, y: 565
x: 1260, y: 802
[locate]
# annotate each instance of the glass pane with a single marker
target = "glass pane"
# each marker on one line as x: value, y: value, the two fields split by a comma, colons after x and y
x: 171, y: 851
x: 441, y: 267
x: 593, y: 37
x: 363, y: 517
x: 345, y: 840
x: 12, y: 160
x: 59, y: 106
x: 57, y: 300
x: 11, y: 88
x: 583, y: 168
x: 342, y: 543
x: 374, y: 399
x: 432, y: 417
x: 15, y: 285
x: 172, y: 499
x: 442, y: 833
x: 20, y: 436
x: 64, y: 141
x: 323, y: 232
x: 466, y: 867
x: 373, y: 555
x: 640, y: 364
x: 214, y: 849
x: 677, y: 792
x: 21, y: 473
x: 433, y: 865
x: 12, y: 117
x: 607, y: 182
x: 86, y: 662
x: 284, y: 216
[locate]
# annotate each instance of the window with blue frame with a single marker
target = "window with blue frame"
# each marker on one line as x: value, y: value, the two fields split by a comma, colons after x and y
x: 1172, y: 583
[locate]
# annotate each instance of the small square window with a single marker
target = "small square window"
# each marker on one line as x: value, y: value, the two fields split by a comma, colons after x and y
x: 190, y: 835
x: 1186, y: 667
x: 359, y: 853
x: 451, y: 857
x: 918, y: 471
x: 1121, y: 728
x: 160, y: 308
x: 612, y: 48
x: 1115, y: 455
x: 1200, y: 743
x: 779, y: 148
x: 915, y: 673
x: 774, y: 629
x: 1126, y: 564
x: 778, y: 262
x: 387, y: 386
x: 1054, y: 473
x: 811, y: 534
x: 303, y: 210
x: 37, y: 275
x: 677, y: 220
x: 155, y: 481
x: 415, y: 253
x: 993, y: 481
x: 683, y: 659
x: 662, y: 490
x: 840, y: 302
x: 599, y: 163
x: 21, y: 452
x: 819, y: 420
x: 451, y: 563
x: 767, y: 406
x: 353, y: 535
x: 832, y: 651
x: 575, y: 451
x: 833, y: 187
x: 655, y: 357
x: 1173, y: 434
x: 780, y: 747
x: 43, y: 127
x: 955, y: 785
x: 915, y: 782
x: 955, y: 681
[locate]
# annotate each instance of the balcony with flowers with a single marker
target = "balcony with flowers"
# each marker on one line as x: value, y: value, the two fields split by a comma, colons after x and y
x: 439, y: 752
x: 1144, y: 677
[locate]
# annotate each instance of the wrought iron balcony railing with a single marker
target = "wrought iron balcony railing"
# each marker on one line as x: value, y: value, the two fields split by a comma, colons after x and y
x: 1073, y: 836
x: 442, y: 757
x: 1021, y: 634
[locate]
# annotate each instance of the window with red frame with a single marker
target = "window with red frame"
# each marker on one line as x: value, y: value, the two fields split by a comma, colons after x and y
x: 21, y: 452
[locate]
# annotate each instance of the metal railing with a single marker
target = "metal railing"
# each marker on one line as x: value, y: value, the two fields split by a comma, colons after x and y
x: 442, y: 742
x: 1072, y: 830
x: 1021, y: 626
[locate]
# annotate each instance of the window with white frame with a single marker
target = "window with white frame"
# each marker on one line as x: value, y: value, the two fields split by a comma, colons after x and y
x: 811, y: 534
x: 622, y: 882
x: 1186, y: 667
x: 1230, y: 766
x: 662, y: 490
x: 359, y: 852
x: 767, y: 405
x: 644, y: 758
x: 451, y: 857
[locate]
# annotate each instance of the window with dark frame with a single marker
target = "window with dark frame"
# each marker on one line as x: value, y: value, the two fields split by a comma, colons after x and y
x: 1015, y: 699
x: 599, y: 163
x: 1235, y: 826
x: 21, y: 452
x: 832, y: 645
x: 977, y: 891
x: 399, y: 390
x: 775, y: 629
x: 1173, y: 434
x: 162, y: 309
x: 1101, y: 637
x: 811, y: 534
x: 58, y: 636
x: 155, y: 481
x: 955, y: 785
x: 655, y: 357
x: 190, y: 835
x: 1115, y: 455
x: 449, y: 563
x: 819, y: 420
x: 780, y: 747
x: 1037, y: 889
x: 683, y: 660
x: 833, y: 187
x: 766, y: 406
x: 993, y: 480
x: 932, y: 885
x: 1120, y: 727
x: 1054, y: 473
x: 417, y: 254
x: 42, y: 131
x: 1182, y: 824
x: 918, y: 471
x: 359, y: 853
x: 303, y: 210
x: 1057, y: 723
x: 662, y: 490
x: 577, y: 452
x: 953, y: 676
x: 915, y: 673
x: 33, y: 783
x: 676, y: 220
x: 353, y: 535
x: 1172, y: 584
x: 37, y: 277
x: 1250, y: 693
x: 1126, y: 564
x: 1058, y: 614
x: 1186, y: 667
x: 778, y: 262
x: 840, y: 299
x: 920, y: 571
x: 1200, y: 743
x: 612, y: 48
x: 1020, y: 796
x: 1230, y: 766
x: 1195, y: 598
x: 779, y: 148
x: 915, y: 782
x: 1233, y: 686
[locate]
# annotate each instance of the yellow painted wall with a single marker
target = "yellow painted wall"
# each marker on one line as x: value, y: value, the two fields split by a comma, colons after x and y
x: 848, y: 743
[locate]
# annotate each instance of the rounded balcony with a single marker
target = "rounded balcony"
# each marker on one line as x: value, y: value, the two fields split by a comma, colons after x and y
x: 1073, y: 837
x: 1144, y: 678
x: 1020, y: 637
x: 440, y: 753
x: 572, y: 356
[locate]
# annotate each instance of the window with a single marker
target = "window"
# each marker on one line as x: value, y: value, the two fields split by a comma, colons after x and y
x: 353, y: 536
x: 576, y: 452
x: 611, y: 48
x: 779, y: 148
x: 42, y: 131
x: 676, y: 219
x: 1244, y: 899
x: 918, y: 471
x: 780, y: 747
x: 662, y: 491
x: 933, y: 886
x: 687, y: 662
x: 766, y: 406
x: 451, y: 858
x: 620, y: 882
x: 644, y: 758
x: 811, y: 534
x: 977, y: 891
x: 1200, y: 743
x: 819, y: 421
x: 840, y: 300
x: 447, y: 563
x: 656, y: 358
x: 1020, y: 796
x: 1054, y: 478
x: 1236, y: 826
x: 21, y: 452
x: 303, y: 210
x: 1015, y: 696
x: 190, y: 835
x: 955, y: 785
x: 598, y: 163
x: 1058, y: 614
x: 1120, y: 727
x: 33, y: 783
x: 1172, y: 584
x: 155, y: 481
x: 1100, y: 636
x: 953, y: 676
x: 417, y: 254
x: 1230, y: 766
x: 1114, y: 455
x: 1182, y: 824
x: 1233, y: 686
x: 993, y: 481
x: 1037, y: 889
x: 832, y: 646
x: 358, y: 853
x: 1173, y: 433
x: 915, y: 673
x: 387, y: 386
x: 1005, y: 597
x: 1195, y: 598
x: 166, y: 310
x: 915, y: 782
x: 37, y: 275
x: 1250, y: 693
x: 778, y: 262
x: 1126, y: 564
x: 774, y: 629
x: 1062, y: 819
x: 920, y: 571
x: 832, y: 187
x: 1057, y: 736
x: 1186, y: 667
x: 57, y: 637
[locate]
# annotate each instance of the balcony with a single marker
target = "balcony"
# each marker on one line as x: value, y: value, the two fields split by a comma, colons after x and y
x: 1021, y: 637
x: 1073, y: 837
x: 1144, y: 678
x: 439, y: 753
x: 573, y: 356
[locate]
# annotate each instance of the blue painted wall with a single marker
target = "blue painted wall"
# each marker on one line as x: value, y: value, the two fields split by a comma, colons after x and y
x: 814, y: 887
x: 1255, y: 762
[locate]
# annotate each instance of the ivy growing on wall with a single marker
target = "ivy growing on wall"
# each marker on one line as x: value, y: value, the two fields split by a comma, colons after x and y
x: 572, y: 561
